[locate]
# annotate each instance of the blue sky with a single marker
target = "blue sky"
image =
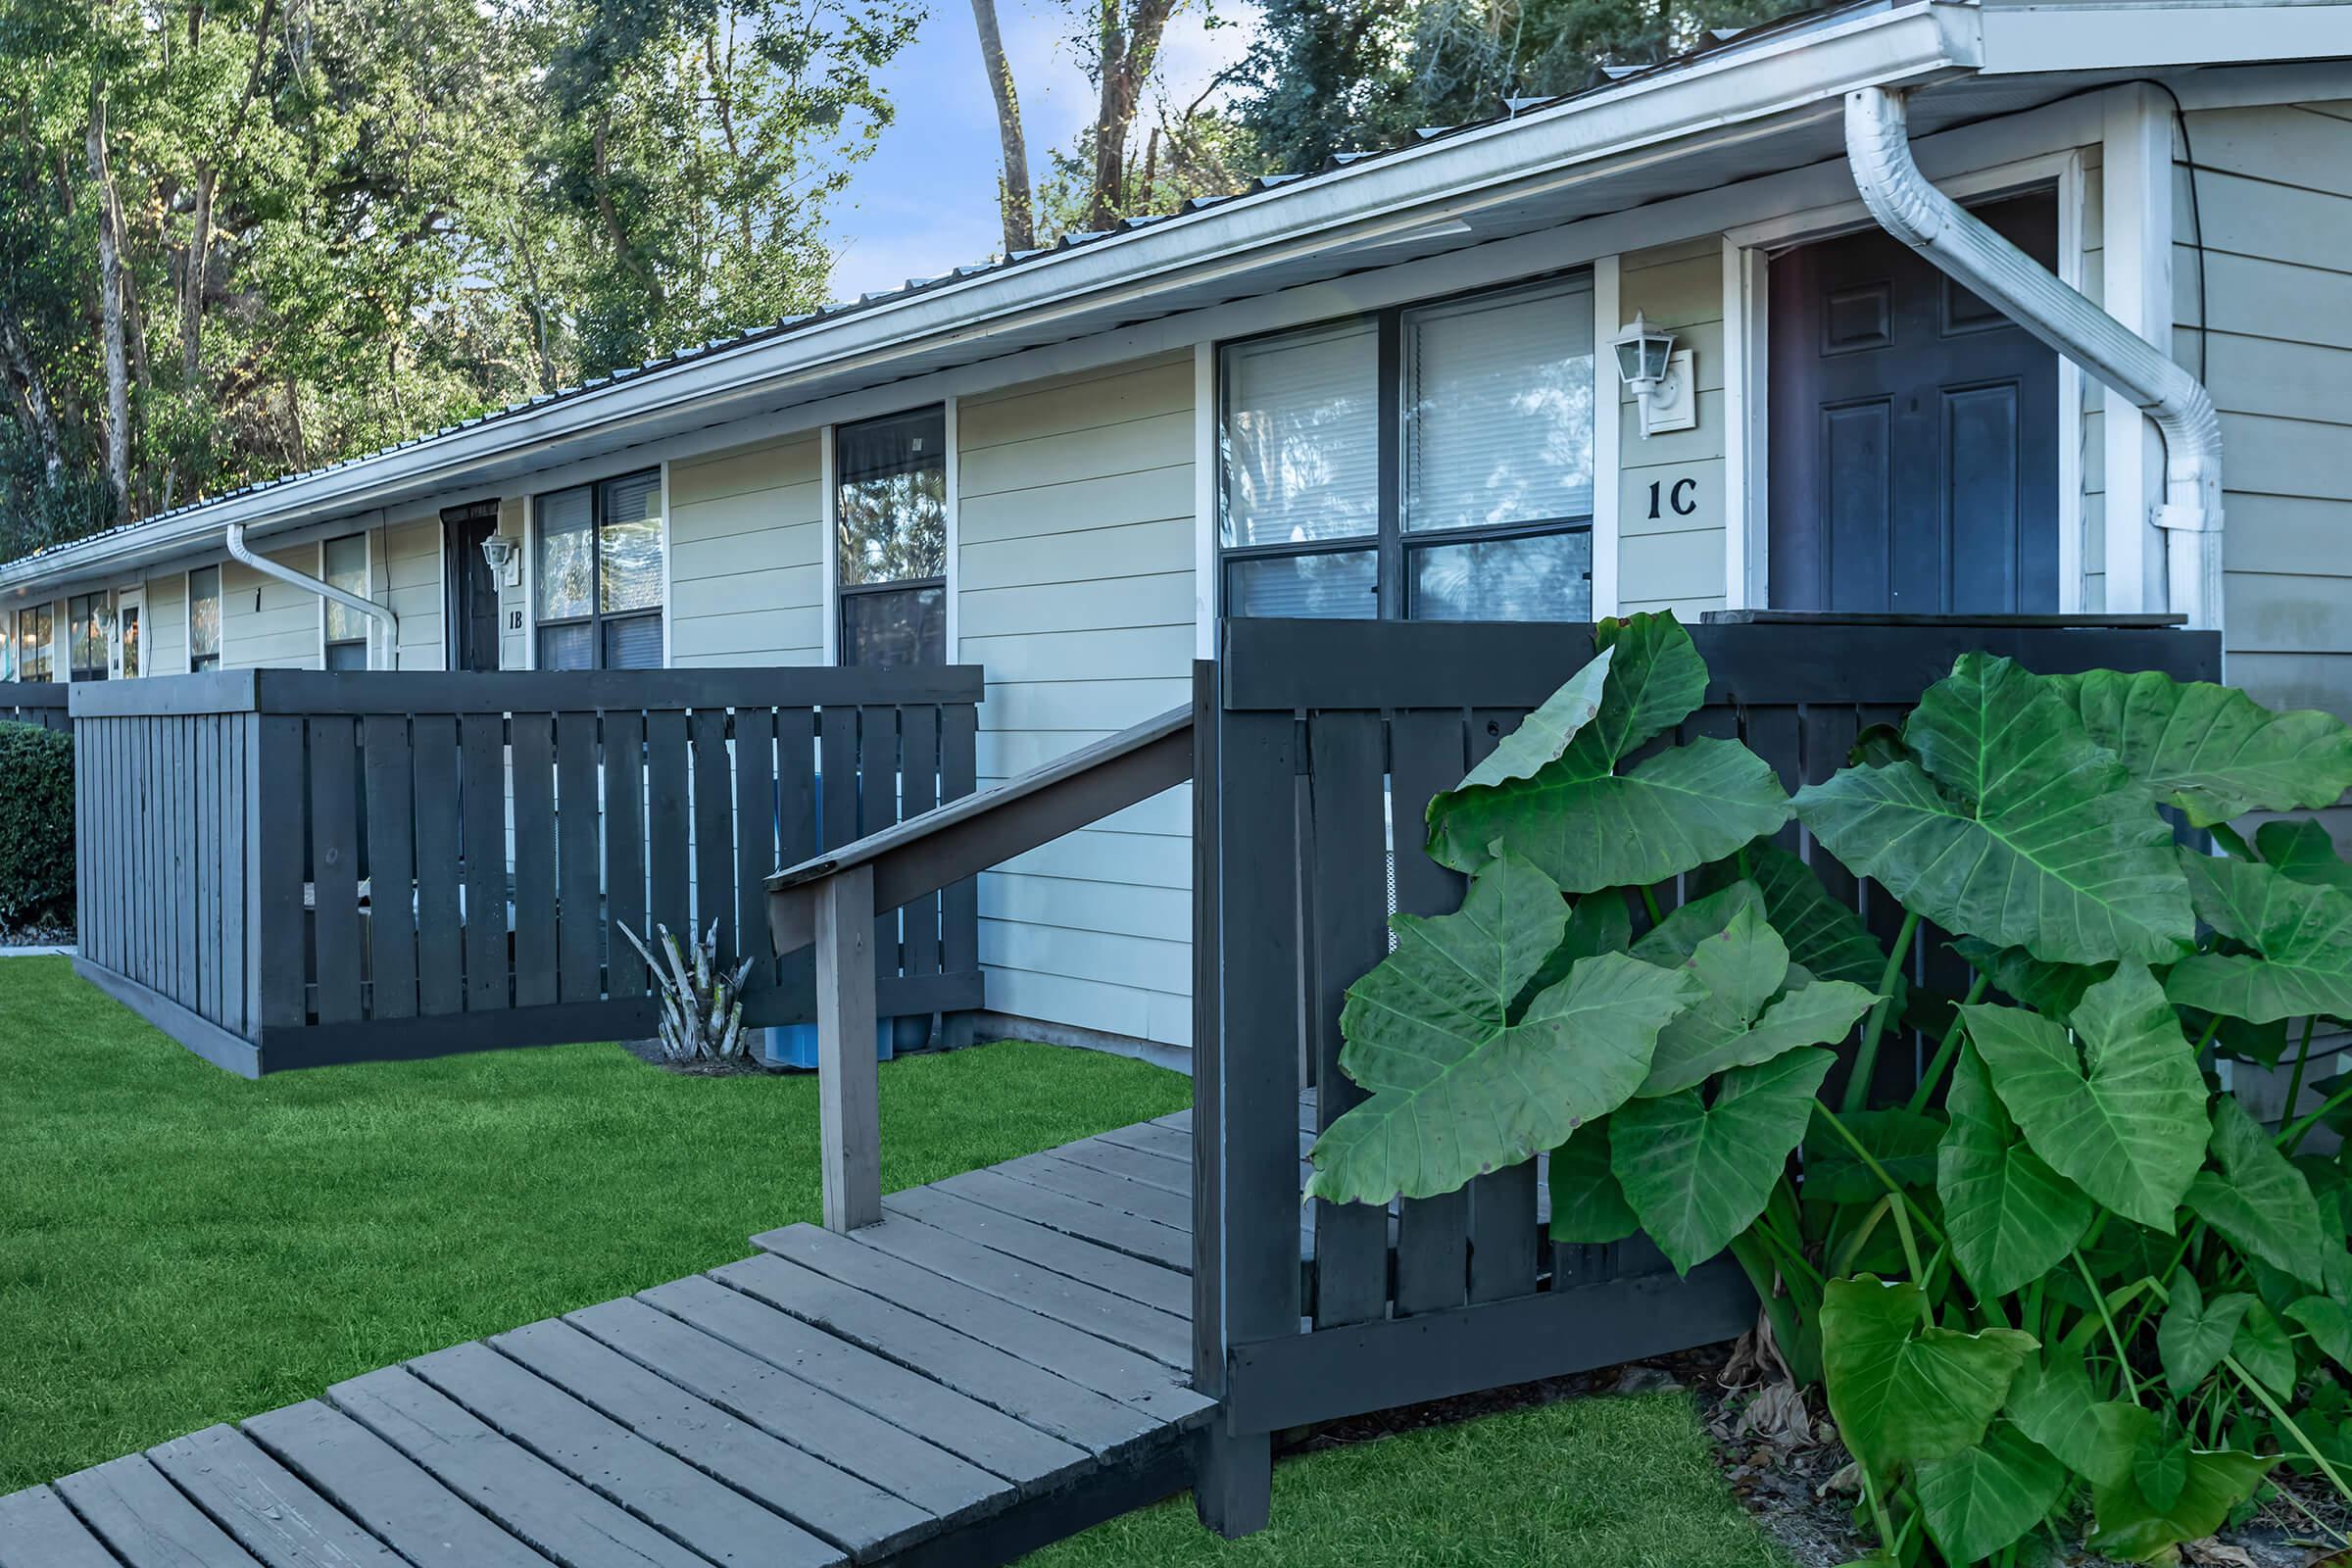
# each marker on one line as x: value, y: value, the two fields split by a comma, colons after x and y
x: 926, y: 200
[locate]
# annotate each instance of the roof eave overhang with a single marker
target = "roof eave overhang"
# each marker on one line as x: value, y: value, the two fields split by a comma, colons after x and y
x: 1732, y: 95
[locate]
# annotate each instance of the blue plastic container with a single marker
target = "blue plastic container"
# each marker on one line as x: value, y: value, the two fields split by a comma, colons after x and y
x: 794, y: 1045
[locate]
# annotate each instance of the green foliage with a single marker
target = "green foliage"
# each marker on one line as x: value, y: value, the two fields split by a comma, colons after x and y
x: 36, y: 826
x: 347, y: 222
x: 2088, y: 1276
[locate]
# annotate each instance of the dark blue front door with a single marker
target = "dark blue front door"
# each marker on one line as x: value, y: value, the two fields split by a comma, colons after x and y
x: 1914, y: 458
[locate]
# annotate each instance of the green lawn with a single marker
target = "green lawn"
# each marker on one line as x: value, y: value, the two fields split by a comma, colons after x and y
x: 178, y: 1247
x: 1604, y: 1483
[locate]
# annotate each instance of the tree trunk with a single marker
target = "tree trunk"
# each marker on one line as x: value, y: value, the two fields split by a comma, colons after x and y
x: 26, y: 370
x: 1129, y: 52
x: 1013, y: 189
x: 196, y: 272
x: 109, y: 295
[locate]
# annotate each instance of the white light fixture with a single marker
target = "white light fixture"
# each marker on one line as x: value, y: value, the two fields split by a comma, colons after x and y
x: 499, y: 551
x: 1659, y: 377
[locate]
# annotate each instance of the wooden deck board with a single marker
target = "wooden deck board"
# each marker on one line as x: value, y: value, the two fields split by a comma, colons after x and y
x: 145, y: 1520
x: 822, y: 1498
x: 1099, y: 1187
x: 1122, y: 1232
x: 271, y: 1512
x: 1136, y: 1165
x: 382, y: 1487
x: 1152, y: 1284
x: 1114, y: 1370
x: 38, y: 1530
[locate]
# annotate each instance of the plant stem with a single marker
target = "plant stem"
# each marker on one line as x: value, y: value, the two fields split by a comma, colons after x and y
x: 2294, y: 1081
x: 1879, y: 1171
x: 2123, y: 1357
x: 1919, y: 1275
x: 1650, y: 899
x: 1946, y: 1049
x: 1866, y: 1059
x: 2293, y: 1134
x: 2279, y: 1415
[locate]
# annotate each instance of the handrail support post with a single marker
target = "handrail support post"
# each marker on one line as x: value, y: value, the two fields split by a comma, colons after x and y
x: 848, y: 1082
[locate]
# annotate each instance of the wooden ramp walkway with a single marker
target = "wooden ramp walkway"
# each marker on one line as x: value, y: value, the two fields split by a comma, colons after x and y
x: 1002, y: 1361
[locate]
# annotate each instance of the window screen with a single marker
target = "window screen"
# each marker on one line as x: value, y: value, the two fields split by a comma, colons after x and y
x: 85, y: 637
x: 346, y: 568
x: 1302, y: 457
x: 890, y: 503
x: 36, y: 655
x: 1498, y: 410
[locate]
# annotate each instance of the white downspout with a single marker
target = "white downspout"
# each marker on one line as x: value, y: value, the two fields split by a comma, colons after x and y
x: 381, y: 614
x: 1877, y: 148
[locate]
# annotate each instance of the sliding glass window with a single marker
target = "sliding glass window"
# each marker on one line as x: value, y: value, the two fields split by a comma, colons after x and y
x: 85, y: 637
x: 204, y: 618
x: 1432, y: 462
x: 890, y: 507
x: 599, y: 575
x: 36, y: 654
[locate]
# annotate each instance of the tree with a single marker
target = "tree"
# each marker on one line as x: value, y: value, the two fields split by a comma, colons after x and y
x: 1012, y: 185
x: 1355, y: 76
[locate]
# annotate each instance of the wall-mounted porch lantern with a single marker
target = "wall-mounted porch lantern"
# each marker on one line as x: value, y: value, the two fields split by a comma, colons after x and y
x: 505, y: 561
x: 1659, y: 378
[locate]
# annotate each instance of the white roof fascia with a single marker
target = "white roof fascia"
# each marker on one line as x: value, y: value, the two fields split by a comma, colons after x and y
x: 2021, y: 39
x: 1390, y: 193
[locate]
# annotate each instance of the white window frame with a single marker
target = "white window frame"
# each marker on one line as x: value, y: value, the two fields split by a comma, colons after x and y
x: 828, y: 473
x: 531, y: 559
x: 129, y: 596
x: 187, y: 617
x: 1747, y: 370
x: 366, y: 592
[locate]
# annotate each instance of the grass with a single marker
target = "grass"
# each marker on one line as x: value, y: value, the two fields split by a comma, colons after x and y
x: 178, y: 1247
x: 1602, y: 1483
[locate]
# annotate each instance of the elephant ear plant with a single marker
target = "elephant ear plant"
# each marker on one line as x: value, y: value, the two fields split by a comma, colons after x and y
x: 2069, y: 1286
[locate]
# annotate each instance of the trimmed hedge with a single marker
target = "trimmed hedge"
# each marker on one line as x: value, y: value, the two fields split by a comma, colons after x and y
x: 36, y: 826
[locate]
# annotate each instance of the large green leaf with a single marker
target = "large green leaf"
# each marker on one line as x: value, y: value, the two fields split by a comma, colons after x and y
x: 1982, y: 1498
x: 1457, y: 1089
x: 2052, y: 989
x: 2194, y: 1334
x: 1587, y: 1204
x: 2263, y: 1348
x: 1674, y: 940
x: 1546, y: 733
x: 2305, y: 851
x: 2123, y: 1119
x: 2329, y: 1323
x: 2212, y: 750
x: 1900, y: 1140
x: 2131, y: 1527
x: 2012, y: 827
x: 1698, y: 1174
x: 1590, y: 825
x: 1824, y: 936
x: 2053, y: 1404
x: 1683, y: 807
x: 1597, y: 924
x: 2010, y: 1217
x: 2259, y: 1199
x: 1742, y: 967
x: 2302, y: 930
x: 1903, y: 1392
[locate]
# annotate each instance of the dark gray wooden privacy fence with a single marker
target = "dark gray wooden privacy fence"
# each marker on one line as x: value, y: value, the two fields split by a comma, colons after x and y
x: 1318, y: 745
x: 35, y: 702
x: 287, y: 868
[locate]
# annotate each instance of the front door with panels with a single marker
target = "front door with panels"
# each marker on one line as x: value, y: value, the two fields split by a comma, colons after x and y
x: 473, y: 593
x: 1914, y: 456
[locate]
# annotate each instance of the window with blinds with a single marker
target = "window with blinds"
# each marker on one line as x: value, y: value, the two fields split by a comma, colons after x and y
x: 1432, y: 460
x: 597, y: 595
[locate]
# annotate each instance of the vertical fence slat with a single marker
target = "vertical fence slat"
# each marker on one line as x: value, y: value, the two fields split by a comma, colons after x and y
x: 183, y: 849
x: 796, y: 823
x: 1426, y: 754
x: 918, y: 784
x: 879, y: 809
x: 713, y: 829
x: 625, y: 848
x: 1504, y: 1248
x: 440, y: 927
x: 276, y: 953
x: 666, y: 819
x: 580, y: 885
x: 532, y: 745
x: 482, y: 785
x: 207, y: 775
x: 959, y: 904
x: 837, y: 775
x: 1347, y: 904
x: 238, y: 915
x: 754, y: 838
x: 391, y: 865
x: 335, y: 867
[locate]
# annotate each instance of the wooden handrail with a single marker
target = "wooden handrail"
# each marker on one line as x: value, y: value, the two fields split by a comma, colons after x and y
x: 832, y: 900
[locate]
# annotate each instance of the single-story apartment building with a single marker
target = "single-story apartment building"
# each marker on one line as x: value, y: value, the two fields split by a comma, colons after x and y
x: 1690, y: 339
